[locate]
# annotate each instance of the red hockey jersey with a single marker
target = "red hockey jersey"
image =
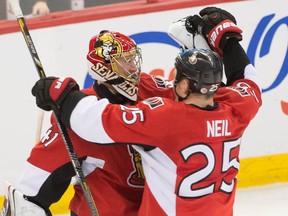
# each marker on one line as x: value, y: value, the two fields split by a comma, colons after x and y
x: 190, y: 155
x: 114, y: 174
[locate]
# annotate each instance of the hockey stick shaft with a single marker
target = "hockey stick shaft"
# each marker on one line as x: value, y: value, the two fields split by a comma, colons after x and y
x: 74, y: 159
x: 39, y: 125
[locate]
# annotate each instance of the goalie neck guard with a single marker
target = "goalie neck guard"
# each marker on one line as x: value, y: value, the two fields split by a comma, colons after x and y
x: 115, y: 58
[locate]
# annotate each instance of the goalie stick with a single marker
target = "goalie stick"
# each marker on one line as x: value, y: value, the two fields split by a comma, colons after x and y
x: 74, y: 159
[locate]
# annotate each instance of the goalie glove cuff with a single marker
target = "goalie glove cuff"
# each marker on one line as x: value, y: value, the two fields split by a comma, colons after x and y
x: 222, y: 32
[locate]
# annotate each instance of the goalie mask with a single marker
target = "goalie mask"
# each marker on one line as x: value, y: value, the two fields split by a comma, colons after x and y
x: 202, y: 67
x: 115, y: 58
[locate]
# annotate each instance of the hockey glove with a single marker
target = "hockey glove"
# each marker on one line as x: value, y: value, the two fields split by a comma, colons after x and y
x: 216, y: 25
x: 51, y: 91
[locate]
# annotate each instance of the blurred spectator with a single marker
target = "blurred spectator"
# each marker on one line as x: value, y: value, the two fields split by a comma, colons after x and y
x: 29, y: 7
x: 60, y: 5
x: 40, y: 8
x: 43, y: 7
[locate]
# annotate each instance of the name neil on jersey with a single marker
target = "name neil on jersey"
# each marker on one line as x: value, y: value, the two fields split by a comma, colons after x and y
x: 218, y: 128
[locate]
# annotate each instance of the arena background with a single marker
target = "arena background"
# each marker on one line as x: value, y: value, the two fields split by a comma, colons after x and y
x: 61, y: 39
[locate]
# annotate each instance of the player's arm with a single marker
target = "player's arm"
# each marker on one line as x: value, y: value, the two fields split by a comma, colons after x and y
x: 96, y: 120
x: 220, y: 29
x: 30, y: 195
x: 52, y: 172
x: 223, y: 35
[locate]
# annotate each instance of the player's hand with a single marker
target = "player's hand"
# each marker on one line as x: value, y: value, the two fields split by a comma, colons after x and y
x: 51, y: 91
x: 216, y: 25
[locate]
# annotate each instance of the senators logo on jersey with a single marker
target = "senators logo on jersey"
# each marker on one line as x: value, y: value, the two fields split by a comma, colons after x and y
x: 136, y: 178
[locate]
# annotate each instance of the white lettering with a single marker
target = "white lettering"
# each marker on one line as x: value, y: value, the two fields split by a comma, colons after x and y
x: 218, y: 128
x: 59, y: 83
x: 221, y: 27
x: 104, y: 72
x: 128, y: 88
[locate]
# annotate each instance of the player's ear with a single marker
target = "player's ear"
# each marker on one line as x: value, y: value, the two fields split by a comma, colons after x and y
x: 182, y: 88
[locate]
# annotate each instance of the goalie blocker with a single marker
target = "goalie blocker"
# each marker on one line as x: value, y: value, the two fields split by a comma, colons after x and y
x: 15, y: 204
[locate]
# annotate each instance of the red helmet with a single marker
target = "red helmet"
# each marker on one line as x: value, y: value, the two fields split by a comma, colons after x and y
x: 116, y: 59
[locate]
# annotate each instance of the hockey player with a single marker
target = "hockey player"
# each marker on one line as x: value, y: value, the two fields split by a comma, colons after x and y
x: 114, y: 175
x: 50, y: 189
x: 189, y: 148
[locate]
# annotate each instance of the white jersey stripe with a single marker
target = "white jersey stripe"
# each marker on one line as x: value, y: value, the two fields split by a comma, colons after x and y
x: 30, y: 184
x: 160, y: 176
x: 252, y: 74
x: 82, y: 122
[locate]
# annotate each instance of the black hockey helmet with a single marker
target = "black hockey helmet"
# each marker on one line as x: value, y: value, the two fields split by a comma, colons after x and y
x: 202, y: 67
